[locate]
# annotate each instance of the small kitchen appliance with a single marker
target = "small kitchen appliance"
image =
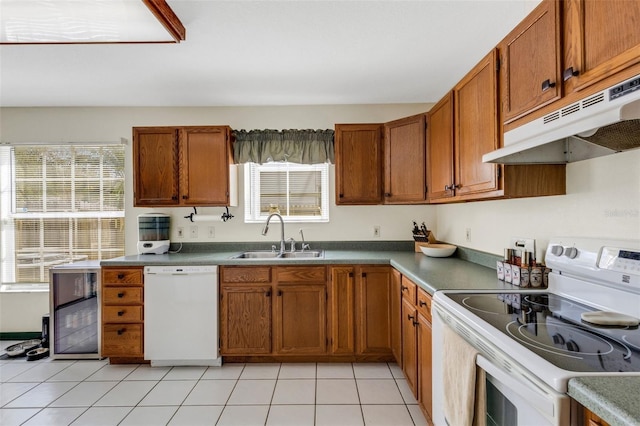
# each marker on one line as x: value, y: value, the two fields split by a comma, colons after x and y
x: 531, y: 342
x: 153, y: 233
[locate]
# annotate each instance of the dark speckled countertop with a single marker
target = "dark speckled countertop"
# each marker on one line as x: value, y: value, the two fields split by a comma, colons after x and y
x: 615, y: 399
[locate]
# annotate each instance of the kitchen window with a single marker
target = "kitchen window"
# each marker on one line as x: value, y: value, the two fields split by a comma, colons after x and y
x: 299, y: 192
x: 58, y: 204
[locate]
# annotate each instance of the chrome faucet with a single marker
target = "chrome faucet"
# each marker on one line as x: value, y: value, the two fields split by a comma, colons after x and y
x: 266, y: 229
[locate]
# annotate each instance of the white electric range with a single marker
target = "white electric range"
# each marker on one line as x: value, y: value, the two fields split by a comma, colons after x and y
x: 531, y: 342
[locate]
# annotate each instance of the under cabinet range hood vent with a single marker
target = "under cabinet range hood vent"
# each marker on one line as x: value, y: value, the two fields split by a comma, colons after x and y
x: 604, y: 123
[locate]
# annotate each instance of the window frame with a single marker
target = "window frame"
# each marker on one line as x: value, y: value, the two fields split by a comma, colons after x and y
x: 252, y: 200
x: 9, y: 212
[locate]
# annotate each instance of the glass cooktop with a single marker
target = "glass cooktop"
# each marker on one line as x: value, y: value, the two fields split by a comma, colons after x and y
x: 551, y: 326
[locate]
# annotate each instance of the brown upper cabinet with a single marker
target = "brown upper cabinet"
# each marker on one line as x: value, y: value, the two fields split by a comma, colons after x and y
x: 530, y: 57
x: 405, y: 161
x: 381, y: 163
x: 601, y: 38
x: 182, y: 166
x: 440, y: 149
x: 358, y: 157
x: 565, y: 51
x: 462, y: 127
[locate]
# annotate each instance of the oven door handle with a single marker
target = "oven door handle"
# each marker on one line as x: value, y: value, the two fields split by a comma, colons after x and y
x: 545, y: 401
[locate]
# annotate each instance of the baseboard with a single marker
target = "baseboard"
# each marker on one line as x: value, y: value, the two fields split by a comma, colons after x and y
x: 21, y: 335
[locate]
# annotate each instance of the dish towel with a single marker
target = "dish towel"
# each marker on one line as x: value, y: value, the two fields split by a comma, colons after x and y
x: 459, y: 377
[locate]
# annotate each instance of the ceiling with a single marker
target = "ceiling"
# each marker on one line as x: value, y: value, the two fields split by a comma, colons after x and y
x: 270, y: 52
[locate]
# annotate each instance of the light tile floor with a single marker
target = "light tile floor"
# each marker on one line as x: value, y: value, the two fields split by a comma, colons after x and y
x: 92, y: 392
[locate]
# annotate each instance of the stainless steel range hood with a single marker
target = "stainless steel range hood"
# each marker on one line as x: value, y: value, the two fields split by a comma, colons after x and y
x: 604, y: 123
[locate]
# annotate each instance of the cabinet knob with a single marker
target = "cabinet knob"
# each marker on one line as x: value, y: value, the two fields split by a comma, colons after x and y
x: 120, y: 276
x: 452, y: 187
x: 547, y: 84
x: 120, y: 313
x: 184, y: 197
x: 268, y: 294
x: 174, y: 198
x: 341, y: 195
x: 120, y: 295
x: 569, y: 73
x: 279, y: 292
x: 387, y: 194
x: 422, y: 303
x: 122, y: 330
x: 403, y: 288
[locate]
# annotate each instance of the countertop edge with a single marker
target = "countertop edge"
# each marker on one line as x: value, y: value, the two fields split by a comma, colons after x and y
x: 595, y: 393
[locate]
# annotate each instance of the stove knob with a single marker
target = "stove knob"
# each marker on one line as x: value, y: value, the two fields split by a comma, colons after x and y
x: 572, y: 346
x: 558, y: 339
x: 571, y: 252
x: 557, y: 250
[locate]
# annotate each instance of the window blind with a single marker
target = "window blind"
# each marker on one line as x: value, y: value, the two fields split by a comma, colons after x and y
x: 58, y: 204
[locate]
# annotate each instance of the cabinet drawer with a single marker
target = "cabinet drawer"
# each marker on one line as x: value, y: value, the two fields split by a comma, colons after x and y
x: 117, y: 314
x: 300, y: 274
x: 122, y: 340
x: 122, y: 277
x: 122, y: 296
x: 408, y: 289
x: 245, y: 274
x: 424, y: 303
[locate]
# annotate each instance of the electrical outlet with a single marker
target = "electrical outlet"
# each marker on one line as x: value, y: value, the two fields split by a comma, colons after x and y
x: 180, y: 232
x: 193, y: 232
x: 468, y: 235
x: 376, y: 231
x: 212, y: 231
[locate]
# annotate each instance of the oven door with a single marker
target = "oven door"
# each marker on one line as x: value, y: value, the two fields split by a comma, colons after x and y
x: 509, y: 401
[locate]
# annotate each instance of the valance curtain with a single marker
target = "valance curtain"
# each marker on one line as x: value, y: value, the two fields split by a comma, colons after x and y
x: 295, y: 146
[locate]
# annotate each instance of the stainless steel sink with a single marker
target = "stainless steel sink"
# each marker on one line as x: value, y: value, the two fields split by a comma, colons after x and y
x: 264, y: 254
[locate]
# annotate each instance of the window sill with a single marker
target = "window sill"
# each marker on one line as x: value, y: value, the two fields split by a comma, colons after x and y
x: 24, y: 288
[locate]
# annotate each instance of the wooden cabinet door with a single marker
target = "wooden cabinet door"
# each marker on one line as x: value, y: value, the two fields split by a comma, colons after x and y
x: 245, y: 319
x: 373, y: 307
x: 410, y: 345
x: 155, y: 166
x: 300, y: 319
x: 358, y: 157
x: 440, y: 178
x: 425, y: 371
x: 342, y: 310
x: 601, y: 39
x: 404, y: 153
x: 476, y: 128
x: 396, y: 316
x: 531, y: 58
x: 204, y: 166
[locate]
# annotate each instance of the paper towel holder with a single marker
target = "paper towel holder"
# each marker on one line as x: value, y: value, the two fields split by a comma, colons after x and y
x: 225, y: 216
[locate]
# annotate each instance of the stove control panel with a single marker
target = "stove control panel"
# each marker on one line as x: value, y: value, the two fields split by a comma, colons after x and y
x: 621, y: 260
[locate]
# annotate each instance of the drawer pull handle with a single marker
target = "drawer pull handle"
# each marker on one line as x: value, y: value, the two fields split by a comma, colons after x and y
x: 120, y: 295
x: 422, y: 303
x: 268, y: 294
x: 547, y: 84
x: 404, y: 288
x: 122, y: 330
x: 120, y: 276
x: 569, y: 73
x: 120, y: 313
x: 411, y: 317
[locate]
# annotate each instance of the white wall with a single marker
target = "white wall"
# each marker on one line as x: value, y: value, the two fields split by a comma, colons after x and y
x: 603, y: 194
x: 349, y: 223
x: 603, y: 200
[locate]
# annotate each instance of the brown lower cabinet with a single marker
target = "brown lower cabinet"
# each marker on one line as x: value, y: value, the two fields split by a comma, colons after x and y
x: 272, y: 311
x: 122, y: 314
x: 313, y: 313
x: 416, y: 343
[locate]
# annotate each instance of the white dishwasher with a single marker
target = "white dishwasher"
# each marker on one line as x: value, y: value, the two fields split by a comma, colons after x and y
x: 181, y: 315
